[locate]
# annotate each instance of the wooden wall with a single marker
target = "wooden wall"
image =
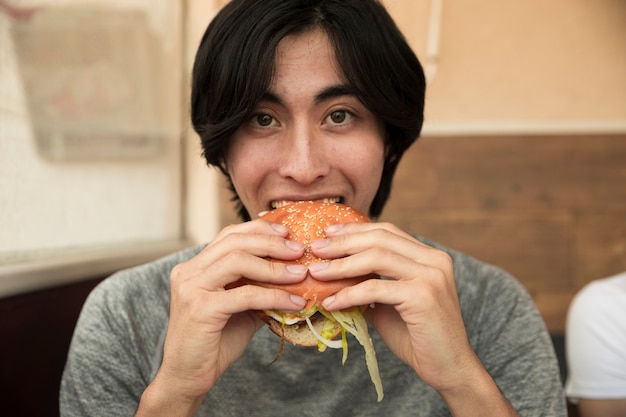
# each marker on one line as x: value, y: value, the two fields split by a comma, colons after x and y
x: 549, y: 209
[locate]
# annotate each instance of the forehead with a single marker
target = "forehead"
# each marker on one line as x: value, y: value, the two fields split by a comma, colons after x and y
x: 307, y: 51
x: 308, y: 41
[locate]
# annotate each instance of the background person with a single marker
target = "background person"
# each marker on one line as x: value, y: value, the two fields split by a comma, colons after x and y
x: 596, y: 348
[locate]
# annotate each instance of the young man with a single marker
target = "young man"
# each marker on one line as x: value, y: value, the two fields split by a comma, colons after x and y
x: 309, y: 100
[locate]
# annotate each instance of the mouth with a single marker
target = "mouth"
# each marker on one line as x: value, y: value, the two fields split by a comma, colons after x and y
x: 280, y: 203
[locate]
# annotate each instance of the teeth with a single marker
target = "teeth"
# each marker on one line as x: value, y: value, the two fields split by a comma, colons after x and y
x: 281, y: 203
x: 278, y: 204
x: 332, y: 200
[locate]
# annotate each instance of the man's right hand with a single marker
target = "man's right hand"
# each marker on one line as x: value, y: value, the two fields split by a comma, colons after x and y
x: 210, y: 326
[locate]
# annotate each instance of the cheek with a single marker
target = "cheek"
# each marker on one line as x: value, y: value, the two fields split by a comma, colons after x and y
x: 364, y: 167
x: 374, y: 156
x: 376, y: 162
x: 375, y: 170
x: 244, y: 169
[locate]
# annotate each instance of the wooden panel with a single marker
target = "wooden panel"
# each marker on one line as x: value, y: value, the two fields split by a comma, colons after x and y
x: 553, y: 307
x: 513, y: 172
x: 600, y: 244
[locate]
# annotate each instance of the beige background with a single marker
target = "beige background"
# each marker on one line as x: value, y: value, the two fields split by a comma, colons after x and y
x: 560, y: 61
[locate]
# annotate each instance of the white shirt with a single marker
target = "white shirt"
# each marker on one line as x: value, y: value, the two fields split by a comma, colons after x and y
x: 596, y: 340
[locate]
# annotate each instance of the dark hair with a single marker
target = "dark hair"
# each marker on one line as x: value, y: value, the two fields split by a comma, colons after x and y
x: 235, y: 62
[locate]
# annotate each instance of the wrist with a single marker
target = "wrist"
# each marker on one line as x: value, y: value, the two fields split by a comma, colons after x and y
x: 478, y: 395
x: 158, y: 400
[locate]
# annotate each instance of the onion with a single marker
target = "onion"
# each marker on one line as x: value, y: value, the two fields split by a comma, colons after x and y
x: 335, y: 344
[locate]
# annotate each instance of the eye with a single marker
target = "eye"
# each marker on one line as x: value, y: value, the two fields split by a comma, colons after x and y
x: 263, y: 119
x: 339, y: 116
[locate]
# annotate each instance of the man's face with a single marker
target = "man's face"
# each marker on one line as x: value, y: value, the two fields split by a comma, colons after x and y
x: 309, y: 138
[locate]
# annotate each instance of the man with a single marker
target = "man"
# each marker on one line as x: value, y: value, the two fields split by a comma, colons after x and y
x: 309, y: 100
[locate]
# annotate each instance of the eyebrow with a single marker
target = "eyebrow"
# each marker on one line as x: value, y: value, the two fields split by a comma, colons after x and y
x: 334, y: 92
x: 326, y: 94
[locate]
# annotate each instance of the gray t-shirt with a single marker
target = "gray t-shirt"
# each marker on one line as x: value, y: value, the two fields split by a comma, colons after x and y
x: 118, y: 345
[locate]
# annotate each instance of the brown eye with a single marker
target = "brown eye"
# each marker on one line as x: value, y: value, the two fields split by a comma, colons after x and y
x: 264, y: 119
x: 338, y: 116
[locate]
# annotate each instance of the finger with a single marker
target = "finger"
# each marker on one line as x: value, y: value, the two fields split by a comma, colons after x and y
x: 362, y: 227
x: 378, y: 260
x: 372, y: 291
x: 233, y: 266
x: 384, y: 243
x: 250, y: 228
x: 236, y: 300
x: 427, y: 288
x: 258, y: 226
x: 272, y: 246
x: 252, y: 297
x: 254, y: 227
x: 259, y: 245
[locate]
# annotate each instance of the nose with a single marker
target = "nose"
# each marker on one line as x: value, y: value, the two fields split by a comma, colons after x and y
x: 304, y: 157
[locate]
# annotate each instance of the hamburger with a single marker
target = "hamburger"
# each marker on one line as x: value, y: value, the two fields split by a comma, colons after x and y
x: 313, y: 325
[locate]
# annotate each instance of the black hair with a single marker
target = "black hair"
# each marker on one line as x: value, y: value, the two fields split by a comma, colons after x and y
x: 234, y: 66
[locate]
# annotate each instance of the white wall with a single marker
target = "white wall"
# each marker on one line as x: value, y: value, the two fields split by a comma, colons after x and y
x: 51, y: 207
x: 201, y: 199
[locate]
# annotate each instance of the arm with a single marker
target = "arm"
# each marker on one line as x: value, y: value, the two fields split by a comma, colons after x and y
x: 478, y: 396
x: 117, y: 344
x: 106, y: 359
x: 602, y: 408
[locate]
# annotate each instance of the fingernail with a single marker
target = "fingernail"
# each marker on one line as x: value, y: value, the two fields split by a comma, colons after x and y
x: 318, y: 266
x: 297, y: 268
x: 297, y: 300
x: 328, y: 301
x: 318, y: 244
x: 293, y: 245
x: 279, y: 228
x: 334, y: 228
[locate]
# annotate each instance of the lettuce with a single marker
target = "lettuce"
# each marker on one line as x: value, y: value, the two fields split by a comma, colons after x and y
x: 352, y: 322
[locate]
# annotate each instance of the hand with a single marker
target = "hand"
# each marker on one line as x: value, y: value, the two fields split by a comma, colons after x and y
x: 417, y: 311
x: 210, y: 326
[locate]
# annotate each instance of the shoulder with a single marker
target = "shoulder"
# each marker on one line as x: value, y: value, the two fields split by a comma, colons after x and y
x: 475, y: 278
x: 601, y: 298
x: 143, y: 280
x: 596, y: 312
x: 117, y: 340
x: 142, y: 290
